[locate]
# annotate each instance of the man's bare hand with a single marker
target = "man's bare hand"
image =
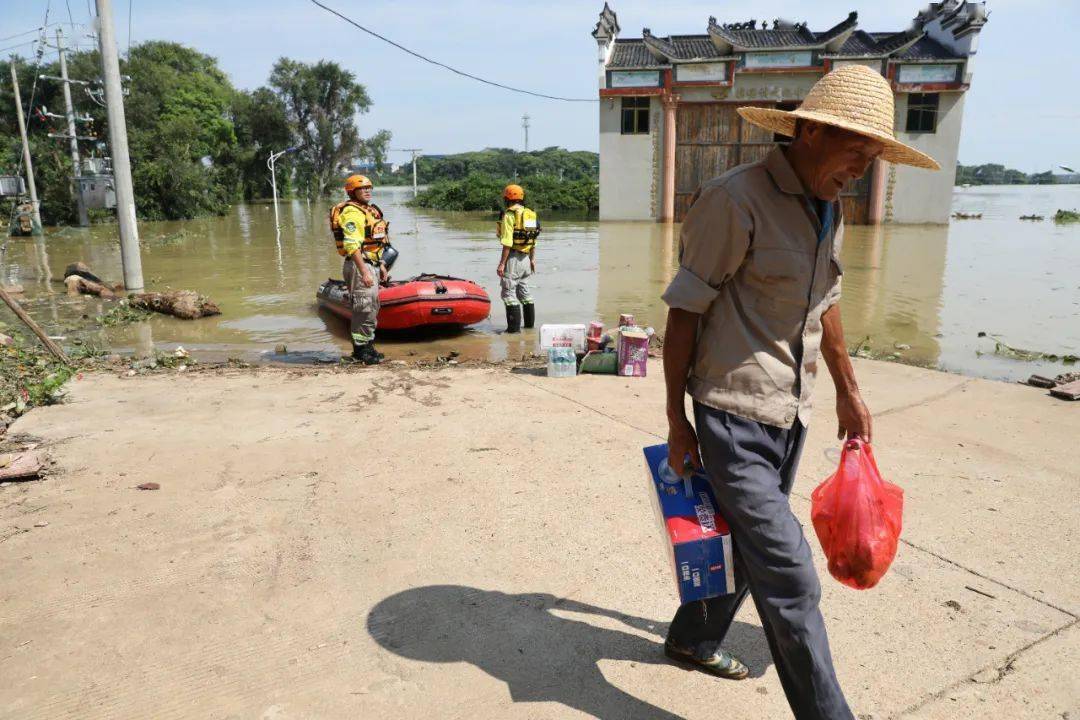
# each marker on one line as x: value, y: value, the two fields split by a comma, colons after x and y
x: 682, y: 441
x: 367, y: 278
x: 501, y: 270
x: 853, y: 417
x: 532, y: 264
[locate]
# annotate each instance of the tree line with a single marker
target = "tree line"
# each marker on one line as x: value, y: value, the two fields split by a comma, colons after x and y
x: 197, y: 143
x: 557, y: 162
x: 993, y: 174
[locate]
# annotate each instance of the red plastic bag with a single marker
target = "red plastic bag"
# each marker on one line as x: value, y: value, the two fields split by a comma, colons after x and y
x: 857, y: 517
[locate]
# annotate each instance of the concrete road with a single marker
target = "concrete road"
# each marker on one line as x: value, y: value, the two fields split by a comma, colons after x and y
x: 478, y: 543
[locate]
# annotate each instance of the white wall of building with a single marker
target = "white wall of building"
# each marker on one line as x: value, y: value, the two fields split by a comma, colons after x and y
x: 628, y: 164
x: 925, y: 196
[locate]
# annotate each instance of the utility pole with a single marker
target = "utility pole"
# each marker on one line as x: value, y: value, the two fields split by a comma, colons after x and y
x: 73, y: 139
x: 25, y: 147
x: 525, y: 124
x: 118, y: 144
x: 415, y: 153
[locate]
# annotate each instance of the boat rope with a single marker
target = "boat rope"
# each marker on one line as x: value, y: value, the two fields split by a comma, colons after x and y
x: 448, y: 67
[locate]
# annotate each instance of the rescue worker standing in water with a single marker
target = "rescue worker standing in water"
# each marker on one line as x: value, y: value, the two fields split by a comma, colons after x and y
x: 517, y: 230
x: 361, y: 235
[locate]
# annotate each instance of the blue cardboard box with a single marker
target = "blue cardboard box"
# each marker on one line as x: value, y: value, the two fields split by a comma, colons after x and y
x: 697, y: 539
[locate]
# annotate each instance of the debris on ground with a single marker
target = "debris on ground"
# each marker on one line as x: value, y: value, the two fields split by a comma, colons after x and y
x: 184, y: 304
x: 149, y: 486
x: 1065, y: 386
x: 1070, y: 391
x: 21, y: 466
x: 6, y: 340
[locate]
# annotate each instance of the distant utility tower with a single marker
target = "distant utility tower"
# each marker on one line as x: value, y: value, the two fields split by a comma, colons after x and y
x: 525, y: 125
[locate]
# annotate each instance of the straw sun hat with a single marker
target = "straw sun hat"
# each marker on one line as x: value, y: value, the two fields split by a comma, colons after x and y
x: 854, y: 98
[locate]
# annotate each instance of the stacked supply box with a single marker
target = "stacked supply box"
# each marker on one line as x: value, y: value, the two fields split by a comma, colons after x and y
x: 696, y: 538
x: 564, y: 335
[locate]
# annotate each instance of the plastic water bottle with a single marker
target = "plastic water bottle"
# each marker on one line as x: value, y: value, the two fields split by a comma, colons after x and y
x: 562, y: 362
x: 670, y: 477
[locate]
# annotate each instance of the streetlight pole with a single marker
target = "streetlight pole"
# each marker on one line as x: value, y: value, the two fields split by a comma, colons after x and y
x: 273, y: 181
x: 415, y: 154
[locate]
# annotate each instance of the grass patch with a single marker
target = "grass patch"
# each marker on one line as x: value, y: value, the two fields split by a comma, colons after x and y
x: 1066, y: 216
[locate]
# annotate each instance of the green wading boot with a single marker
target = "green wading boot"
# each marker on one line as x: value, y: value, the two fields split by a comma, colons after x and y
x: 513, y: 318
x: 364, y: 353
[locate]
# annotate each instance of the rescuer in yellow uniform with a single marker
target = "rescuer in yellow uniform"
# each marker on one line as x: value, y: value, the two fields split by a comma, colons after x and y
x: 361, y: 235
x: 517, y: 230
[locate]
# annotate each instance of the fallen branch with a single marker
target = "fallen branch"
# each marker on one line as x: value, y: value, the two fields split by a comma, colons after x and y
x: 184, y: 304
x: 55, y: 349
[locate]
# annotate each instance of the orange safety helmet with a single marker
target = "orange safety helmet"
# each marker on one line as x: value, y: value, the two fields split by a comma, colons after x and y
x: 514, y: 192
x: 356, y: 182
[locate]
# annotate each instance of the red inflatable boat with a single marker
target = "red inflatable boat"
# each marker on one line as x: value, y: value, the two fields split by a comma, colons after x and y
x: 423, y: 301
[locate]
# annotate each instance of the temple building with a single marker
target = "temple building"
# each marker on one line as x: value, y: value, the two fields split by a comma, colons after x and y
x: 668, y: 120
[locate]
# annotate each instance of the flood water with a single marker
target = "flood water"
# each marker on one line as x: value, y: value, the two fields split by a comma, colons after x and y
x: 933, y: 288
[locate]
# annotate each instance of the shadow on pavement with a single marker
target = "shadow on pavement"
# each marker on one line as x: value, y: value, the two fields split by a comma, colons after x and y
x: 541, y: 656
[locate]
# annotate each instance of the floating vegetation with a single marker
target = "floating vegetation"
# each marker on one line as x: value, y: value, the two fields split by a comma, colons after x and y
x: 123, y: 314
x: 1032, y: 217
x: 1066, y: 216
x: 1005, y: 350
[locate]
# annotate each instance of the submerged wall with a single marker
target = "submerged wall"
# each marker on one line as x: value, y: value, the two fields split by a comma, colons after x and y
x: 925, y: 196
x: 629, y: 187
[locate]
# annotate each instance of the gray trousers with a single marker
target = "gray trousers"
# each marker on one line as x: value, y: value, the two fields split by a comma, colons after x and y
x: 515, y: 279
x: 365, y: 302
x: 751, y: 467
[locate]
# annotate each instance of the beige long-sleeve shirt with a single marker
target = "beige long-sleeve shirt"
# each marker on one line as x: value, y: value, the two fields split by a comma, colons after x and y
x: 752, y: 265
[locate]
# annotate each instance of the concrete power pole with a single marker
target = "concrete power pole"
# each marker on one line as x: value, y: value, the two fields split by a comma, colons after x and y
x: 25, y: 147
x: 73, y: 137
x: 525, y: 124
x: 118, y: 144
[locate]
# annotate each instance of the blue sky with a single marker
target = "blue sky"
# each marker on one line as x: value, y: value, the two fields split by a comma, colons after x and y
x: 1020, y: 111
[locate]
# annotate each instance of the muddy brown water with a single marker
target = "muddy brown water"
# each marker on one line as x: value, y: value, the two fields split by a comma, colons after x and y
x: 921, y: 292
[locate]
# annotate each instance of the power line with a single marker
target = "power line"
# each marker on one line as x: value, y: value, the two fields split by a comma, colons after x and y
x: 444, y: 65
x: 27, y: 32
x: 12, y: 47
x: 130, y: 4
x: 71, y: 20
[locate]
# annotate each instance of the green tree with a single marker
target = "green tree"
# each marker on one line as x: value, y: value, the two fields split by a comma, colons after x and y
x: 321, y: 102
x: 180, y: 132
x: 262, y: 127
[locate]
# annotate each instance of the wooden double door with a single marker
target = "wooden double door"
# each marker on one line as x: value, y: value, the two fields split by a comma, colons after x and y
x: 711, y: 138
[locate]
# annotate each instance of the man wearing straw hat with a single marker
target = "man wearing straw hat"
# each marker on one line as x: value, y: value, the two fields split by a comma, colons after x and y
x: 753, y: 304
